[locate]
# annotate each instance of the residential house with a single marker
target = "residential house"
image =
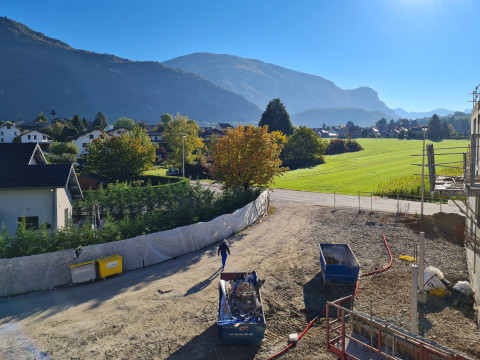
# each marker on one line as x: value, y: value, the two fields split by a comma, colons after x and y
x: 328, y: 134
x: 35, y: 137
x: 391, y: 133
x: 118, y: 132
x: 211, y: 132
x: 34, y: 189
x: 8, y: 132
x: 155, y: 136
x: 84, y: 138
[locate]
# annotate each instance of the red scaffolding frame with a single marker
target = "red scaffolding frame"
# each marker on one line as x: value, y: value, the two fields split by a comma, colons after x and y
x: 340, y: 330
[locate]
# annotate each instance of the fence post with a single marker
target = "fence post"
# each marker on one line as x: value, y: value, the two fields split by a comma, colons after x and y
x: 334, y: 200
x: 359, y: 201
x: 398, y: 205
x: 371, y: 202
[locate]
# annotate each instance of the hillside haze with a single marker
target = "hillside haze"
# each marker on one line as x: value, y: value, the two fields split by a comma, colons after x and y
x: 39, y: 72
x: 260, y: 82
x: 315, y: 118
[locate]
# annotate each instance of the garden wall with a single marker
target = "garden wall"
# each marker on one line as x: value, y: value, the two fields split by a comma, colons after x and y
x: 30, y: 273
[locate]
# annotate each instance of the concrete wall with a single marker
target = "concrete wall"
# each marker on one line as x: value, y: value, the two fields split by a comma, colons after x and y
x: 21, y: 275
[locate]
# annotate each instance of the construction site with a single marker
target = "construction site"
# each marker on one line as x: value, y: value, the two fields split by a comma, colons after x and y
x: 333, y: 283
x: 170, y: 310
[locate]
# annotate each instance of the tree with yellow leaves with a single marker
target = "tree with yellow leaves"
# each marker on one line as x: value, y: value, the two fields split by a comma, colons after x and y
x: 248, y: 156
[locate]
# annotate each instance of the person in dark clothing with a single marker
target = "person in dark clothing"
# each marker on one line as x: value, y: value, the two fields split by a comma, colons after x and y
x: 223, y: 249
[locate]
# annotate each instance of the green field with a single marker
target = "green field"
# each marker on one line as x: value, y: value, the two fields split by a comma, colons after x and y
x: 381, y: 161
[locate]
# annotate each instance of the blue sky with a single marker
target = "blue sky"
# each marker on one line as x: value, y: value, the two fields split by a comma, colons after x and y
x: 417, y: 54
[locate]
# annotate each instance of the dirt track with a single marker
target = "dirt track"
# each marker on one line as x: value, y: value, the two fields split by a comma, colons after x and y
x: 168, y: 311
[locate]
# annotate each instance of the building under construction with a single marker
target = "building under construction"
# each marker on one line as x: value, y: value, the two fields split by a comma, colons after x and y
x: 464, y: 188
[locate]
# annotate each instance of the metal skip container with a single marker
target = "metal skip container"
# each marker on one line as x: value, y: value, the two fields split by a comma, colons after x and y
x: 339, y: 264
x: 109, y: 265
x: 83, y: 272
x: 241, y: 319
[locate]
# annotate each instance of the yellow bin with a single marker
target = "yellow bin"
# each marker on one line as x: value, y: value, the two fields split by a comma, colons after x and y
x: 109, y: 265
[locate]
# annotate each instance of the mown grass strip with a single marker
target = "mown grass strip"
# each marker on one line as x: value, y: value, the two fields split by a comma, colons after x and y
x: 381, y: 161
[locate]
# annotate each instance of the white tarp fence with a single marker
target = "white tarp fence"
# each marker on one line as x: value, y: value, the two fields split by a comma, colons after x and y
x: 24, y: 274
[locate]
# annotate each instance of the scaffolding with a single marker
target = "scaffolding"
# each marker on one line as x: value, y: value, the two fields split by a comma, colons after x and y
x: 353, y: 335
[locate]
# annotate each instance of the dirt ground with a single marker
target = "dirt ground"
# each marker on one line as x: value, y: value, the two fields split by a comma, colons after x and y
x: 169, y: 311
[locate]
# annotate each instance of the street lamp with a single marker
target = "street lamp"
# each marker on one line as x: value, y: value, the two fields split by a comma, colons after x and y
x: 183, y: 154
x: 424, y: 129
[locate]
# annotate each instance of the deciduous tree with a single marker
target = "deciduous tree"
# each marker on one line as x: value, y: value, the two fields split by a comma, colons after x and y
x: 248, y: 156
x: 304, y: 148
x: 125, y: 123
x: 173, y: 138
x: 276, y: 117
x: 119, y: 158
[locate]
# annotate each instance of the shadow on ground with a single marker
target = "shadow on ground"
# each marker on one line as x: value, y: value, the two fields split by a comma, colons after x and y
x: 51, y: 301
x: 316, y: 294
x: 203, y: 284
x: 207, y: 346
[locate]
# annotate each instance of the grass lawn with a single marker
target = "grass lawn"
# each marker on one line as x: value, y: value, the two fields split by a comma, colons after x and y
x: 156, y: 171
x: 380, y: 161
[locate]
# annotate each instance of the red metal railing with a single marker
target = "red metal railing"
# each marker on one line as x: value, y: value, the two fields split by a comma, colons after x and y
x: 340, y: 331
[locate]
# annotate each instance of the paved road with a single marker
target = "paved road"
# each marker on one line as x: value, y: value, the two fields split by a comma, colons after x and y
x: 366, y: 203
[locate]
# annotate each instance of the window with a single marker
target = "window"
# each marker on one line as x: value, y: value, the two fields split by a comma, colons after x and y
x: 1, y: 140
x: 31, y: 222
x: 34, y: 137
x: 84, y: 145
x: 15, y: 133
x: 1, y: 132
x: 28, y: 137
x: 90, y: 136
x: 8, y: 127
x: 66, y: 217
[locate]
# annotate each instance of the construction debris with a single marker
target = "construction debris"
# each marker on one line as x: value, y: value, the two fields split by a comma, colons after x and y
x: 239, y: 302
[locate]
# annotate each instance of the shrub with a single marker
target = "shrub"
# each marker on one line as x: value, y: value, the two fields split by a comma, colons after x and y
x: 62, y: 158
x: 336, y: 146
x: 59, y: 148
x: 353, y: 146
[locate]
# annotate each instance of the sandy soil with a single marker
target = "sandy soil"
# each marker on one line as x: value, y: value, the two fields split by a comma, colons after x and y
x: 169, y: 311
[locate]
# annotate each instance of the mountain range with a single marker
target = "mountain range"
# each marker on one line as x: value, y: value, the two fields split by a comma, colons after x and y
x: 39, y: 72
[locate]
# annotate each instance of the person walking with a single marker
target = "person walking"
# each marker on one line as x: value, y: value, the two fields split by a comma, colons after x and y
x: 223, y: 249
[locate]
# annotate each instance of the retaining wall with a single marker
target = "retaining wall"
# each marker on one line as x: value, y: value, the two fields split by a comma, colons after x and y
x: 30, y: 273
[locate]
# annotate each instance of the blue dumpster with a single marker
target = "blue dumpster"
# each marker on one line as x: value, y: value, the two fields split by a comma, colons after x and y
x: 339, y: 264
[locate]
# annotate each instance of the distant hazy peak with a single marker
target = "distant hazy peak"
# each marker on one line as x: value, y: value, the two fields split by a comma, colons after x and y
x: 418, y: 114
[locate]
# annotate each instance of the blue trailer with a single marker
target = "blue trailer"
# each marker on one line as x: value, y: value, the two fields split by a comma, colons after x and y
x: 241, y: 320
x: 339, y: 264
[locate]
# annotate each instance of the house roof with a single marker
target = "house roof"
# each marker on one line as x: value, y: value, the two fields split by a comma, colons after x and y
x: 16, y: 154
x: 19, y: 172
x: 211, y: 132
